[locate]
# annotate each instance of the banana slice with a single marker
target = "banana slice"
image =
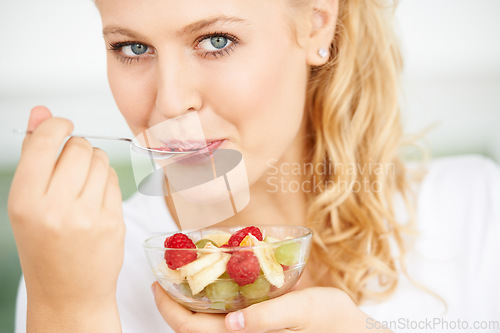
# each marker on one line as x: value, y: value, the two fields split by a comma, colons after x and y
x: 270, y: 239
x: 269, y: 265
x: 218, y: 238
x: 202, y: 262
x: 168, y: 273
x: 208, y: 275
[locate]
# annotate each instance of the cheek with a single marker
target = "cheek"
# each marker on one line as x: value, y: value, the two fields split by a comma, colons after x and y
x: 263, y: 97
x: 132, y: 93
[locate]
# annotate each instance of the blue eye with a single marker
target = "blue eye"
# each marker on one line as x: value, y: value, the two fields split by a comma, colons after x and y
x: 135, y: 50
x: 219, y: 42
x: 216, y: 43
x: 138, y: 49
x: 131, y: 51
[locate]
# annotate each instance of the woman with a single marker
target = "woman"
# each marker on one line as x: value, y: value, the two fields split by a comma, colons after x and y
x: 286, y: 83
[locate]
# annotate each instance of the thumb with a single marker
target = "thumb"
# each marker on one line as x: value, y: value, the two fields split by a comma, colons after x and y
x: 284, y: 312
x: 37, y: 116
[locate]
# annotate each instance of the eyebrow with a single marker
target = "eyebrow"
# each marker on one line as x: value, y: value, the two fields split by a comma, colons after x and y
x: 189, y: 29
x: 207, y: 23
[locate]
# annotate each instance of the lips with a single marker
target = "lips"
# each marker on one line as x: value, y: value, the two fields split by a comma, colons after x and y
x: 200, y: 155
x: 213, y: 145
x: 191, y: 145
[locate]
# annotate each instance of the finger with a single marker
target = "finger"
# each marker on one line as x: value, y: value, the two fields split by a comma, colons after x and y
x: 97, y: 179
x: 40, y: 152
x: 71, y: 169
x: 183, y: 320
x: 286, y: 312
x: 112, y: 195
x: 37, y: 116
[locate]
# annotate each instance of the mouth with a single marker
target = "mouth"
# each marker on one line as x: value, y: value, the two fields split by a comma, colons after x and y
x: 181, y: 146
x: 202, y: 155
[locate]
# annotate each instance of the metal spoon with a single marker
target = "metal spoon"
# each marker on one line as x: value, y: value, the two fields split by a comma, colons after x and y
x: 153, y: 153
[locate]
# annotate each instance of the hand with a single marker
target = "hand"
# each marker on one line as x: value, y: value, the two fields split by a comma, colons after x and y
x: 66, y: 215
x: 308, y: 310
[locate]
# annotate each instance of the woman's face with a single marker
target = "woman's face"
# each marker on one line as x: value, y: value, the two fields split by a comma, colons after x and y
x: 235, y: 62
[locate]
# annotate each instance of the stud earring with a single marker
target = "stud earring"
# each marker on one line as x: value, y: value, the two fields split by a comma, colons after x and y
x: 323, y: 53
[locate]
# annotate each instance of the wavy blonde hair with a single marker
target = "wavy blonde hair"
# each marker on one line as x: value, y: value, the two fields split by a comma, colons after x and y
x: 353, y: 125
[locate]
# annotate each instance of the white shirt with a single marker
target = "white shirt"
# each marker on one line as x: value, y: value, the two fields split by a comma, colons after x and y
x: 457, y: 255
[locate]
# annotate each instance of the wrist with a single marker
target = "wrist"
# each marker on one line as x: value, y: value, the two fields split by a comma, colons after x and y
x: 71, y: 316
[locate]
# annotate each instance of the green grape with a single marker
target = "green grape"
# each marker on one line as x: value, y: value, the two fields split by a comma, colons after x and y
x: 222, y: 290
x: 202, y: 242
x: 256, y: 300
x: 219, y: 306
x: 185, y: 289
x: 257, y: 290
x: 288, y: 254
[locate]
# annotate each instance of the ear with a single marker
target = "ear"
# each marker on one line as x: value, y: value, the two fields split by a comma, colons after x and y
x: 324, y: 20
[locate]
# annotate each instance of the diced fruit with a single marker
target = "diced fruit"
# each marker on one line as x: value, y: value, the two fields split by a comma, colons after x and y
x: 260, y: 288
x: 202, y: 262
x: 238, y: 236
x: 179, y: 258
x: 185, y: 290
x: 288, y: 254
x: 222, y: 290
x: 271, y: 240
x: 243, y: 267
x: 271, y: 268
x: 251, y: 301
x: 218, y: 238
x: 208, y: 275
x: 219, y: 306
x: 202, y: 242
x: 249, y: 240
x: 170, y: 274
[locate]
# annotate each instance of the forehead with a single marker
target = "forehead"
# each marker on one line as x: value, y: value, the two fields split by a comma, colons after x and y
x: 146, y: 14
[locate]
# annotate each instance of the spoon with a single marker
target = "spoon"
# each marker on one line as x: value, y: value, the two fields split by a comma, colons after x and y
x: 154, y: 153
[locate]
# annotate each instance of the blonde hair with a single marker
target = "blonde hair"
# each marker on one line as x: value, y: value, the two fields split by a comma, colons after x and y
x: 354, y: 128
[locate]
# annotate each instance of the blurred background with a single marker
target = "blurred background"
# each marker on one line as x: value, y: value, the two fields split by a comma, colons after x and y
x: 54, y: 55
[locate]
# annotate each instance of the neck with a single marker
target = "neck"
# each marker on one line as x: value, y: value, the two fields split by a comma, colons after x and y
x: 273, y: 200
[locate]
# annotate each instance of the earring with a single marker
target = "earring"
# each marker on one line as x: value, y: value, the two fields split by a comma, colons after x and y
x: 323, y: 53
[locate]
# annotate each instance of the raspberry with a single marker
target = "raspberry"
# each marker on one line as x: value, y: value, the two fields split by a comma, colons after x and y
x: 243, y: 267
x: 179, y: 258
x: 238, y: 236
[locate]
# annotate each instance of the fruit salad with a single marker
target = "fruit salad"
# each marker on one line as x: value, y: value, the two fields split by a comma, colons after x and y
x: 225, y: 272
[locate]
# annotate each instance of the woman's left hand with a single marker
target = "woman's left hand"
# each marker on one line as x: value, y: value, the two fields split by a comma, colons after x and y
x: 309, y: 310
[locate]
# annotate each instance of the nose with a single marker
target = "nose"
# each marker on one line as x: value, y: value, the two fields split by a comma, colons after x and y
x: 177, y: 88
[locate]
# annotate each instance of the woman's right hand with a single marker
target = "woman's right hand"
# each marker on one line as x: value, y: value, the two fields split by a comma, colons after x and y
x: 66, y: 215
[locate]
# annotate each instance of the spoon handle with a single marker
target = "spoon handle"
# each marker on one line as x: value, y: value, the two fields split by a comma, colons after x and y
x: 100, y: 137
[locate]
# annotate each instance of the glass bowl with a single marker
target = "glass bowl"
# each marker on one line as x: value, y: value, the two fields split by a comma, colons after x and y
x: 215, y: 278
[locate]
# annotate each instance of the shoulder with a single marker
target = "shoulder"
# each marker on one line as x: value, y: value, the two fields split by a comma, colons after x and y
x: 458, y: 211
x: 461, y: 189
x: 472, y: 172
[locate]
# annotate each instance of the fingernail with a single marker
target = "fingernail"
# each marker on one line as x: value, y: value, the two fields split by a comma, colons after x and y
x: 153, y: 288
x: 236, y: 321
